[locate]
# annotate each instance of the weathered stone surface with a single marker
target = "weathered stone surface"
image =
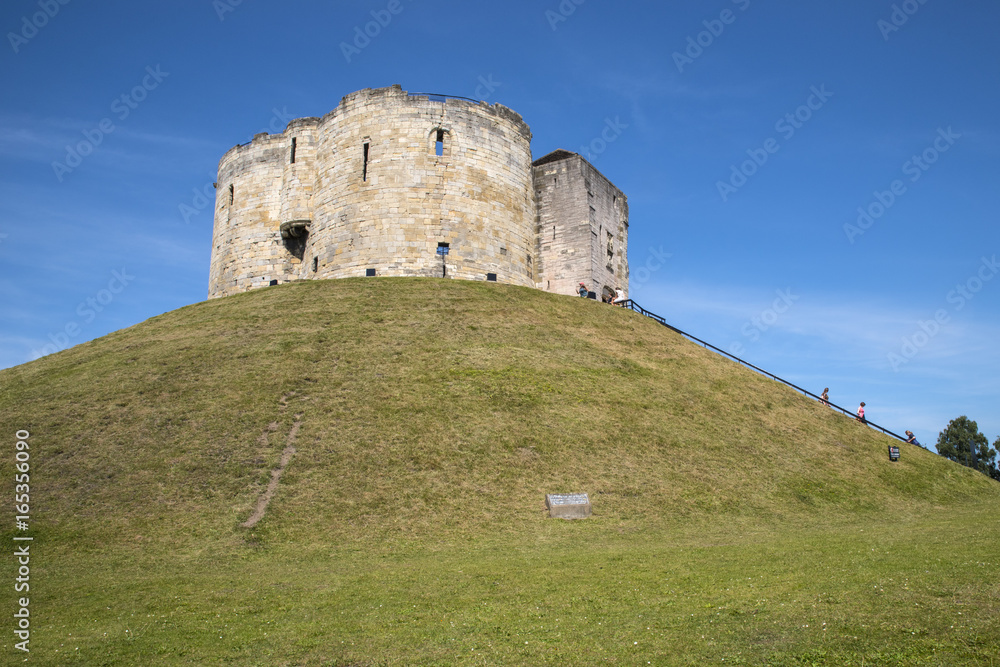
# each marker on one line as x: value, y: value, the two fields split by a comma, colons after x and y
x: 366, y: 182
x: 582, y: 227
x: 568, y: 506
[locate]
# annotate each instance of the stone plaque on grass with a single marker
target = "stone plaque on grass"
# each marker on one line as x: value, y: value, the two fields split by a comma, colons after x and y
x: 568, y: 505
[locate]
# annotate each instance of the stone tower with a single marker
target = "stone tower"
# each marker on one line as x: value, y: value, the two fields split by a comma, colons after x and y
x: 582, y: 226
x: 392, y: 184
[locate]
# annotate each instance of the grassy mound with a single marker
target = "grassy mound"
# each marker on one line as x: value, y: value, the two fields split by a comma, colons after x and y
x: 429, y: 418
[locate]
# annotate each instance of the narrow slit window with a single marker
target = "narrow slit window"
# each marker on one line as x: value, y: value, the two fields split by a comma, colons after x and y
x: 315, y: 263
x: 439, y: 143
x: 293, y: 150
x: 364, y: 164
x: 231, y: 193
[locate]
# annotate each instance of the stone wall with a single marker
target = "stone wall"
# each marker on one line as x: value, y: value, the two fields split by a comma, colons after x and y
x: 582, y: 227
x: 367, y: 190
x: 246, y: 248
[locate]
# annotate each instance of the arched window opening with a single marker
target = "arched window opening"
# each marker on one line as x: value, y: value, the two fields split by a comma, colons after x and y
x: 439, y: 139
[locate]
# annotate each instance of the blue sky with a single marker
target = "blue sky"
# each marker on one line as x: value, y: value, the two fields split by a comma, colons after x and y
x: 813, y: 185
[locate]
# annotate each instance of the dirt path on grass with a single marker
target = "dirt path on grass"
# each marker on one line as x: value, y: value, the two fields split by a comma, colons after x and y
x: 286, y: 456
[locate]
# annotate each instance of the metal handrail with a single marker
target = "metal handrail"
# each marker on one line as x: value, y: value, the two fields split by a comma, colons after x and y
x: 443, y: 96
x: 632, y: 305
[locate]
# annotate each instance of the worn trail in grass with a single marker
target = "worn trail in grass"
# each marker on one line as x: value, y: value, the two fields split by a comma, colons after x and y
x: 733, y: 517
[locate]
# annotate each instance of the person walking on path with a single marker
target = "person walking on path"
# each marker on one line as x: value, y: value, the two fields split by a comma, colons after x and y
x: 583, y: 290
x: 861, y: 413
x: 619, y: 299
x: 912, y: 439
x: 824, y: 398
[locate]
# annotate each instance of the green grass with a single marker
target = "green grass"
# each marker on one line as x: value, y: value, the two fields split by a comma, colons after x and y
x: 409, y: 528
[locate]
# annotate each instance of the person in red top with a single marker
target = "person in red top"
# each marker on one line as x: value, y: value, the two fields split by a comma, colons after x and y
x: 861, y: 413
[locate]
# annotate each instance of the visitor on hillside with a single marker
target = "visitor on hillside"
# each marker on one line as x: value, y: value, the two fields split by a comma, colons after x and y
x: 861, y: 413
x: 824, y: 398
x: 912, y: 439
x: 619, y: 299
x: 583, y: 290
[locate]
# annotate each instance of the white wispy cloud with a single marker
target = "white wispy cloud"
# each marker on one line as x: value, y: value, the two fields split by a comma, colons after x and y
x: 45, y: 139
